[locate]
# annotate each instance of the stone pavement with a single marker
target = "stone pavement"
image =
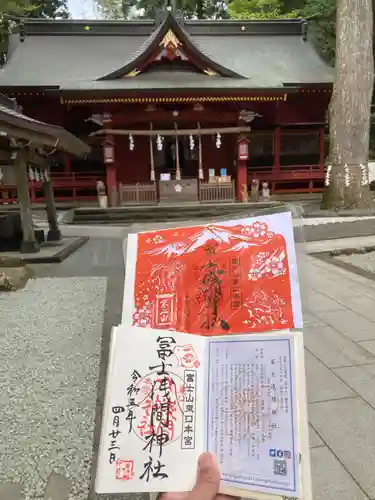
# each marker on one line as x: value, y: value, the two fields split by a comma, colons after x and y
x: 339, y: 336
x: 340, y: 364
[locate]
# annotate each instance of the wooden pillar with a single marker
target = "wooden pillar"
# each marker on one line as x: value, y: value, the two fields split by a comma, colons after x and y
x: 242, y: 161
x: 54, y: 233
x: 29, y: 243
x: 321, y: 149
x: 277, y: 146
x: 241, y: 179
x: 110, y: 160
x: 111, y: 180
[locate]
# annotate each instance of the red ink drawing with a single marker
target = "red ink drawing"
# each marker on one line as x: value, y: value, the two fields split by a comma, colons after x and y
x: 186, y: 356
x: 213, y: 280
x: 124, y: 470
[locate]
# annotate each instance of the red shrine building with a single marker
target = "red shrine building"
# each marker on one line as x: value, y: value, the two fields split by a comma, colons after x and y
x: 175, y: 107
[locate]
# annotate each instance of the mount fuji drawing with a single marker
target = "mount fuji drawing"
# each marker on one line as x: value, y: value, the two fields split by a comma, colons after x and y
x: 230, y: 237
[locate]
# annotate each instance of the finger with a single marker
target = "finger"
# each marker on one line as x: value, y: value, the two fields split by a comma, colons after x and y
x: 173, y: 496
x: 226, y: 497
x: 208, y: 479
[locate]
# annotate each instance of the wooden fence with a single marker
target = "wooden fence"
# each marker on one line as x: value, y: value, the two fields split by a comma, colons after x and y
x: 213, y: 192
x: 142, y: 194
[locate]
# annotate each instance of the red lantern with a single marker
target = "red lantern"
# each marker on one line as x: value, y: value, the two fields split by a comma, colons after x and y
x: 243, y: 149
x: 108, y: 151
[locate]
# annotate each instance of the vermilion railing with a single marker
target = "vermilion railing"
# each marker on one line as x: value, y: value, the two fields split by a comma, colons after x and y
x: 66, y: 186
x: 313, y: 175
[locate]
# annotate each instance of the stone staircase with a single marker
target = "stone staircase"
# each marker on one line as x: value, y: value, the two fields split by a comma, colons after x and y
x: 163, y: 213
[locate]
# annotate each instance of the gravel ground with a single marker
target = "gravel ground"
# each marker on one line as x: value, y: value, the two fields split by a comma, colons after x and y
x: 50, y: 343
x: 364, y: 261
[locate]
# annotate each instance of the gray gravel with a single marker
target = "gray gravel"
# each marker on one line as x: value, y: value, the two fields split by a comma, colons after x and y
x: 50, y: 341
x: 364, y: 261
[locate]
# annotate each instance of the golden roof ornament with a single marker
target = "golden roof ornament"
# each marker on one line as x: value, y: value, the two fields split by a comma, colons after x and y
x: 170, y: 40
x: 209, y: 72
x: 134, y: 72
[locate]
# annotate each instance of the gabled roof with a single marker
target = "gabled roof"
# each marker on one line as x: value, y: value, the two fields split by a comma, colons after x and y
x: 170, y: 31
x: 95, y: 55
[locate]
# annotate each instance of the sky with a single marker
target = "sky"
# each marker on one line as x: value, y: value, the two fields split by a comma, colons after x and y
x: 81, y: 9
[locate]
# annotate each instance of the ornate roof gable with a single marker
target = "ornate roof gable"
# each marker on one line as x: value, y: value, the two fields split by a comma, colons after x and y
x: 170, y: 42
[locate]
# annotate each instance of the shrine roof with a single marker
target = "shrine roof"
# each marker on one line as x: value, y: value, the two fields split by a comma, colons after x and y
x: 97, y: 55
x: 14, y: 123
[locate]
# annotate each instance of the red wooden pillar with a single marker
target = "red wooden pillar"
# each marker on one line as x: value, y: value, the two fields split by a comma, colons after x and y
x: 111, y: 179
x: 276, y: 156
x: 241, y: 179
x: 321, y: 149
x: 276, y: 145
x: 242, y: 160
x: 109, y: 156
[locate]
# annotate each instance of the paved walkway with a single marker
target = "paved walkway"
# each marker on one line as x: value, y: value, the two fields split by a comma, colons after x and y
x: 340, y: 362
x: 339, y: 335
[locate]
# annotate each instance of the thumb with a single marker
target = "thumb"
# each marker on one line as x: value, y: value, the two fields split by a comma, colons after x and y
x: 208, y: 479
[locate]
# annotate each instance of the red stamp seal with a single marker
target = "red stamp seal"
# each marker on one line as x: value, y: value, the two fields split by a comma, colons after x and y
x: 124, y: 470
x: 186, y: 356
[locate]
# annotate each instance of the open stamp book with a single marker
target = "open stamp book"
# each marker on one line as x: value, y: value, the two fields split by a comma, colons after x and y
x: 171, y: 396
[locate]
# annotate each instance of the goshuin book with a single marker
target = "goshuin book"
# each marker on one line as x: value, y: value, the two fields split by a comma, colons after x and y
x: 171, y: 396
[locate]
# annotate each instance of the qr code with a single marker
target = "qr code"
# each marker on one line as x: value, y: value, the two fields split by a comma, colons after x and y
x: 279, y: 467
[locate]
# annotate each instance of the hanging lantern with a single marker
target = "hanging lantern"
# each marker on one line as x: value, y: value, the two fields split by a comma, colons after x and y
x: 131, y: 142
x: 243, y: 149
x: 46, y: 178
x: 191, y: 142
x: 31, y: 174
x: 41, y: 175
x: 218, y: 140
x: 37, y: 177
x: 108, y: 151
x: 159, y: 143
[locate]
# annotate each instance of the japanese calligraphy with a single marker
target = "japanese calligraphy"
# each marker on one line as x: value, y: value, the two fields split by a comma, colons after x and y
x: 210, y: 293
x: 115, y: 432
x: 157, y: 424
x: 188, y: 424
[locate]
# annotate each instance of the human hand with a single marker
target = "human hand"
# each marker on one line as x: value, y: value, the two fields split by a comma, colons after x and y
x: 207, y: 483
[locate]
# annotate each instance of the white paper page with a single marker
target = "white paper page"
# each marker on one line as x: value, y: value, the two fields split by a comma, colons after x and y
x: 154, y: 416
x: 251, y: 423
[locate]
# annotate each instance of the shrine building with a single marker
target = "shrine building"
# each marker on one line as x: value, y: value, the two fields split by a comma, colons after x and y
x: 174, y: 108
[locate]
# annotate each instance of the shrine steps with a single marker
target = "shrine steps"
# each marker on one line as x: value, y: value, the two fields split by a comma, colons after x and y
x: 164, y: 212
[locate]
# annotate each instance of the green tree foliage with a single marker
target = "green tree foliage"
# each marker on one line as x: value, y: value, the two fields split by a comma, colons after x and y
x: 322, y: 26
x: 49, y: 9
x: 149, y: 9
x: 111, y: 9
x: 26, y: 8
x: 259, y: 9
x: 10, y: 8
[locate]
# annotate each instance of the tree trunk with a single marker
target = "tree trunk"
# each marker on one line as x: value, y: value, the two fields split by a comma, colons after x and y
x: 347, y: 178
x: 29, y: 243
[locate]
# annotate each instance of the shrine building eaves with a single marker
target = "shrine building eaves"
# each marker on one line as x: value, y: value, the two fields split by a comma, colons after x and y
x: 82, y: 54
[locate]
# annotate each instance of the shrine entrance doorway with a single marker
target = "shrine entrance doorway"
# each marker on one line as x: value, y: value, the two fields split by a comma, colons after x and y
x: 166, y: 159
